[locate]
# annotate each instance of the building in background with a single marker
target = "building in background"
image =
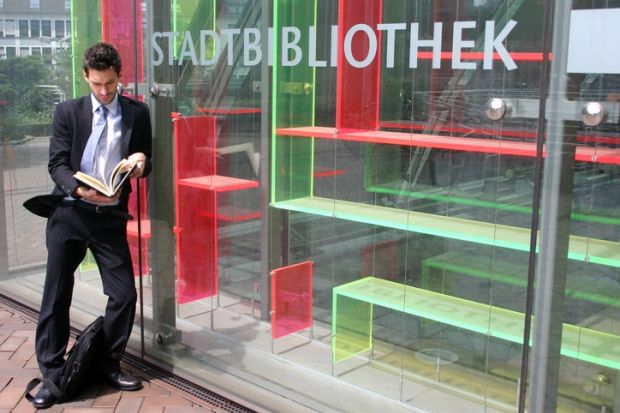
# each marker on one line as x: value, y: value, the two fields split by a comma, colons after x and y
x: 34, y: 27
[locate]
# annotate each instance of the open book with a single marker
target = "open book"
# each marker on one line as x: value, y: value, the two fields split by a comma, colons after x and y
x: 113, y: 183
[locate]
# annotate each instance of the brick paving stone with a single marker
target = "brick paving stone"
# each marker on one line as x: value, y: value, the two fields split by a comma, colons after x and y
x: 129, y: 404
x: 57, y: 408
x: 12, y: 343
x: 151, y: 409
x: 12, y: 364
x: 21, y: 373
x: 24, y: 406
x: 30, y: 334
x: 24, y: 352
x: 107, y: 399
x: 150, y: 389
x: 173, y: 400
x: 10, y: 396
x: 23, y: 380
x: 32, y: 363
x: 9, y: 327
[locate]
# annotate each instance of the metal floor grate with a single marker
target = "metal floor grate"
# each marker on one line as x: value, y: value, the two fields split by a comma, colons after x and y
x: 214, y: 399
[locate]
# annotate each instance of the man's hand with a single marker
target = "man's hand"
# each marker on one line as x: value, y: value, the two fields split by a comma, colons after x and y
x: 91, y: 195
x: 139, y: 159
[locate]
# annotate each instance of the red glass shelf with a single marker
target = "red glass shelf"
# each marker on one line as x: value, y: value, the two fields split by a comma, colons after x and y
x: 503, y: 147
x: 233, y: 214
x: 512, y: 133
x: 229, y: 111
x: 323, y: 172
x: 218, y: 183
x: 145, y: 227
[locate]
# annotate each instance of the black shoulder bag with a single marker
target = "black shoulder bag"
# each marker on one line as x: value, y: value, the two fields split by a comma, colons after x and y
x: 79, y: 360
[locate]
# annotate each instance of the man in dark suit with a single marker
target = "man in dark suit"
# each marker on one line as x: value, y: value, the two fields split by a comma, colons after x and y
x: 92, y: 134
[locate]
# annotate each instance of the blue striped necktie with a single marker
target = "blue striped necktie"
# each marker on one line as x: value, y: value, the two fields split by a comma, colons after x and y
x: 87, y: 165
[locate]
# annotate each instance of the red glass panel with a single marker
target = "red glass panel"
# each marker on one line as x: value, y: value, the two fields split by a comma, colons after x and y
x: 291, y: 299
x: 144, y: 229
x: 196, y: 244
x: 124, y: 31
x: 194, y: 146
x: 357, y: 97
x: 196, y: 200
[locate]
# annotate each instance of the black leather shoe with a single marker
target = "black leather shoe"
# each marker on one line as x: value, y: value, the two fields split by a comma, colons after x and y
x: 43, y: 399
x: 122, y: 381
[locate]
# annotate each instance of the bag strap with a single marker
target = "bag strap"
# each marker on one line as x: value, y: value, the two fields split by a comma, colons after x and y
x: 49, y: 385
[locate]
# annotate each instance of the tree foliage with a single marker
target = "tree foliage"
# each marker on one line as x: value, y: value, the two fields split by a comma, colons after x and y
x: 29, y: 89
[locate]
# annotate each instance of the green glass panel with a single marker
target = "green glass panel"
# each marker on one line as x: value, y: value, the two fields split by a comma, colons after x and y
x: 293, y: 105
x: 293, y: 168
x: 191, y: 16
x: 382, y: 167
x: 86, y: 30
x: 88, y: 263
x: 352, y: 327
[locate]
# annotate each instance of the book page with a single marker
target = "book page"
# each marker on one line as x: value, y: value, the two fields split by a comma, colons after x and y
x: 109, y: 188
x: 123, y: 166
x: 91, y: 182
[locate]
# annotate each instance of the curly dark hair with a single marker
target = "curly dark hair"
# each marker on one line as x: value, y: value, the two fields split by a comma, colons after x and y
x: 102, y: 56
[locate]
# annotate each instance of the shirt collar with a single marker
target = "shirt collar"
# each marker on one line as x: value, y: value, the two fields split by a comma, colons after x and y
x: 112, y: 107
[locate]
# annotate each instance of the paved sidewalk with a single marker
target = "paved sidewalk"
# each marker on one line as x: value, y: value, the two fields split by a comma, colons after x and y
x: 18, y: 366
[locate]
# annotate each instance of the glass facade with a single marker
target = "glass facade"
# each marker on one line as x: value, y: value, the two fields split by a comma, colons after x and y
x: 356, y: 205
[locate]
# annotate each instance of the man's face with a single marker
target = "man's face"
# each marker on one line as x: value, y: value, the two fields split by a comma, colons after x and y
x: 102, y: 84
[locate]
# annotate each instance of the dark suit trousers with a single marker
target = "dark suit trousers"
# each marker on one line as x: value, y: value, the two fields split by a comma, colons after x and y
x: 70, y: 231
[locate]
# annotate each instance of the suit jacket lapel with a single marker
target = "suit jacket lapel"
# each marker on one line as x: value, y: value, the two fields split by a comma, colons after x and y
x: 85, y: 112
x: 127, y: 119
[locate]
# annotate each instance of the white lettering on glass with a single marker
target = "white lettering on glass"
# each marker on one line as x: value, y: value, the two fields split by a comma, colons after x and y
x: 459, y: 44
x: 205, y: 51
x: 491, y: 43
x: 188, y: 50
x: 390, y: 29
x: 295, y: 48
x: 372, y: 45
x: 250, y: 46
x: 312, y: 62
x: 416, y: 43
x: 230, y: 42
x: 289, y: 45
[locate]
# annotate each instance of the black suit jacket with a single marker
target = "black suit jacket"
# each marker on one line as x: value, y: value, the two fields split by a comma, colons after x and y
x: 71, y: 129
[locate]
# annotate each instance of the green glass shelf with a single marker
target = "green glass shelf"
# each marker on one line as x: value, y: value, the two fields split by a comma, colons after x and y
x: 356, y: 326
x: 580, y: 248
x: 580, y: 285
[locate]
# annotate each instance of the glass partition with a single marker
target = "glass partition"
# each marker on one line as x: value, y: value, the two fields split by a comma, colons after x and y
x: 356, y: 205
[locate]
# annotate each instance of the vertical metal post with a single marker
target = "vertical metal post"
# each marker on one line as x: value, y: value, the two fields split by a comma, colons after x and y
x: 531, y: 270
x: 161, y: 200
x: 265, y: 150
x: 4, y: 254
x: 554, y: 231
